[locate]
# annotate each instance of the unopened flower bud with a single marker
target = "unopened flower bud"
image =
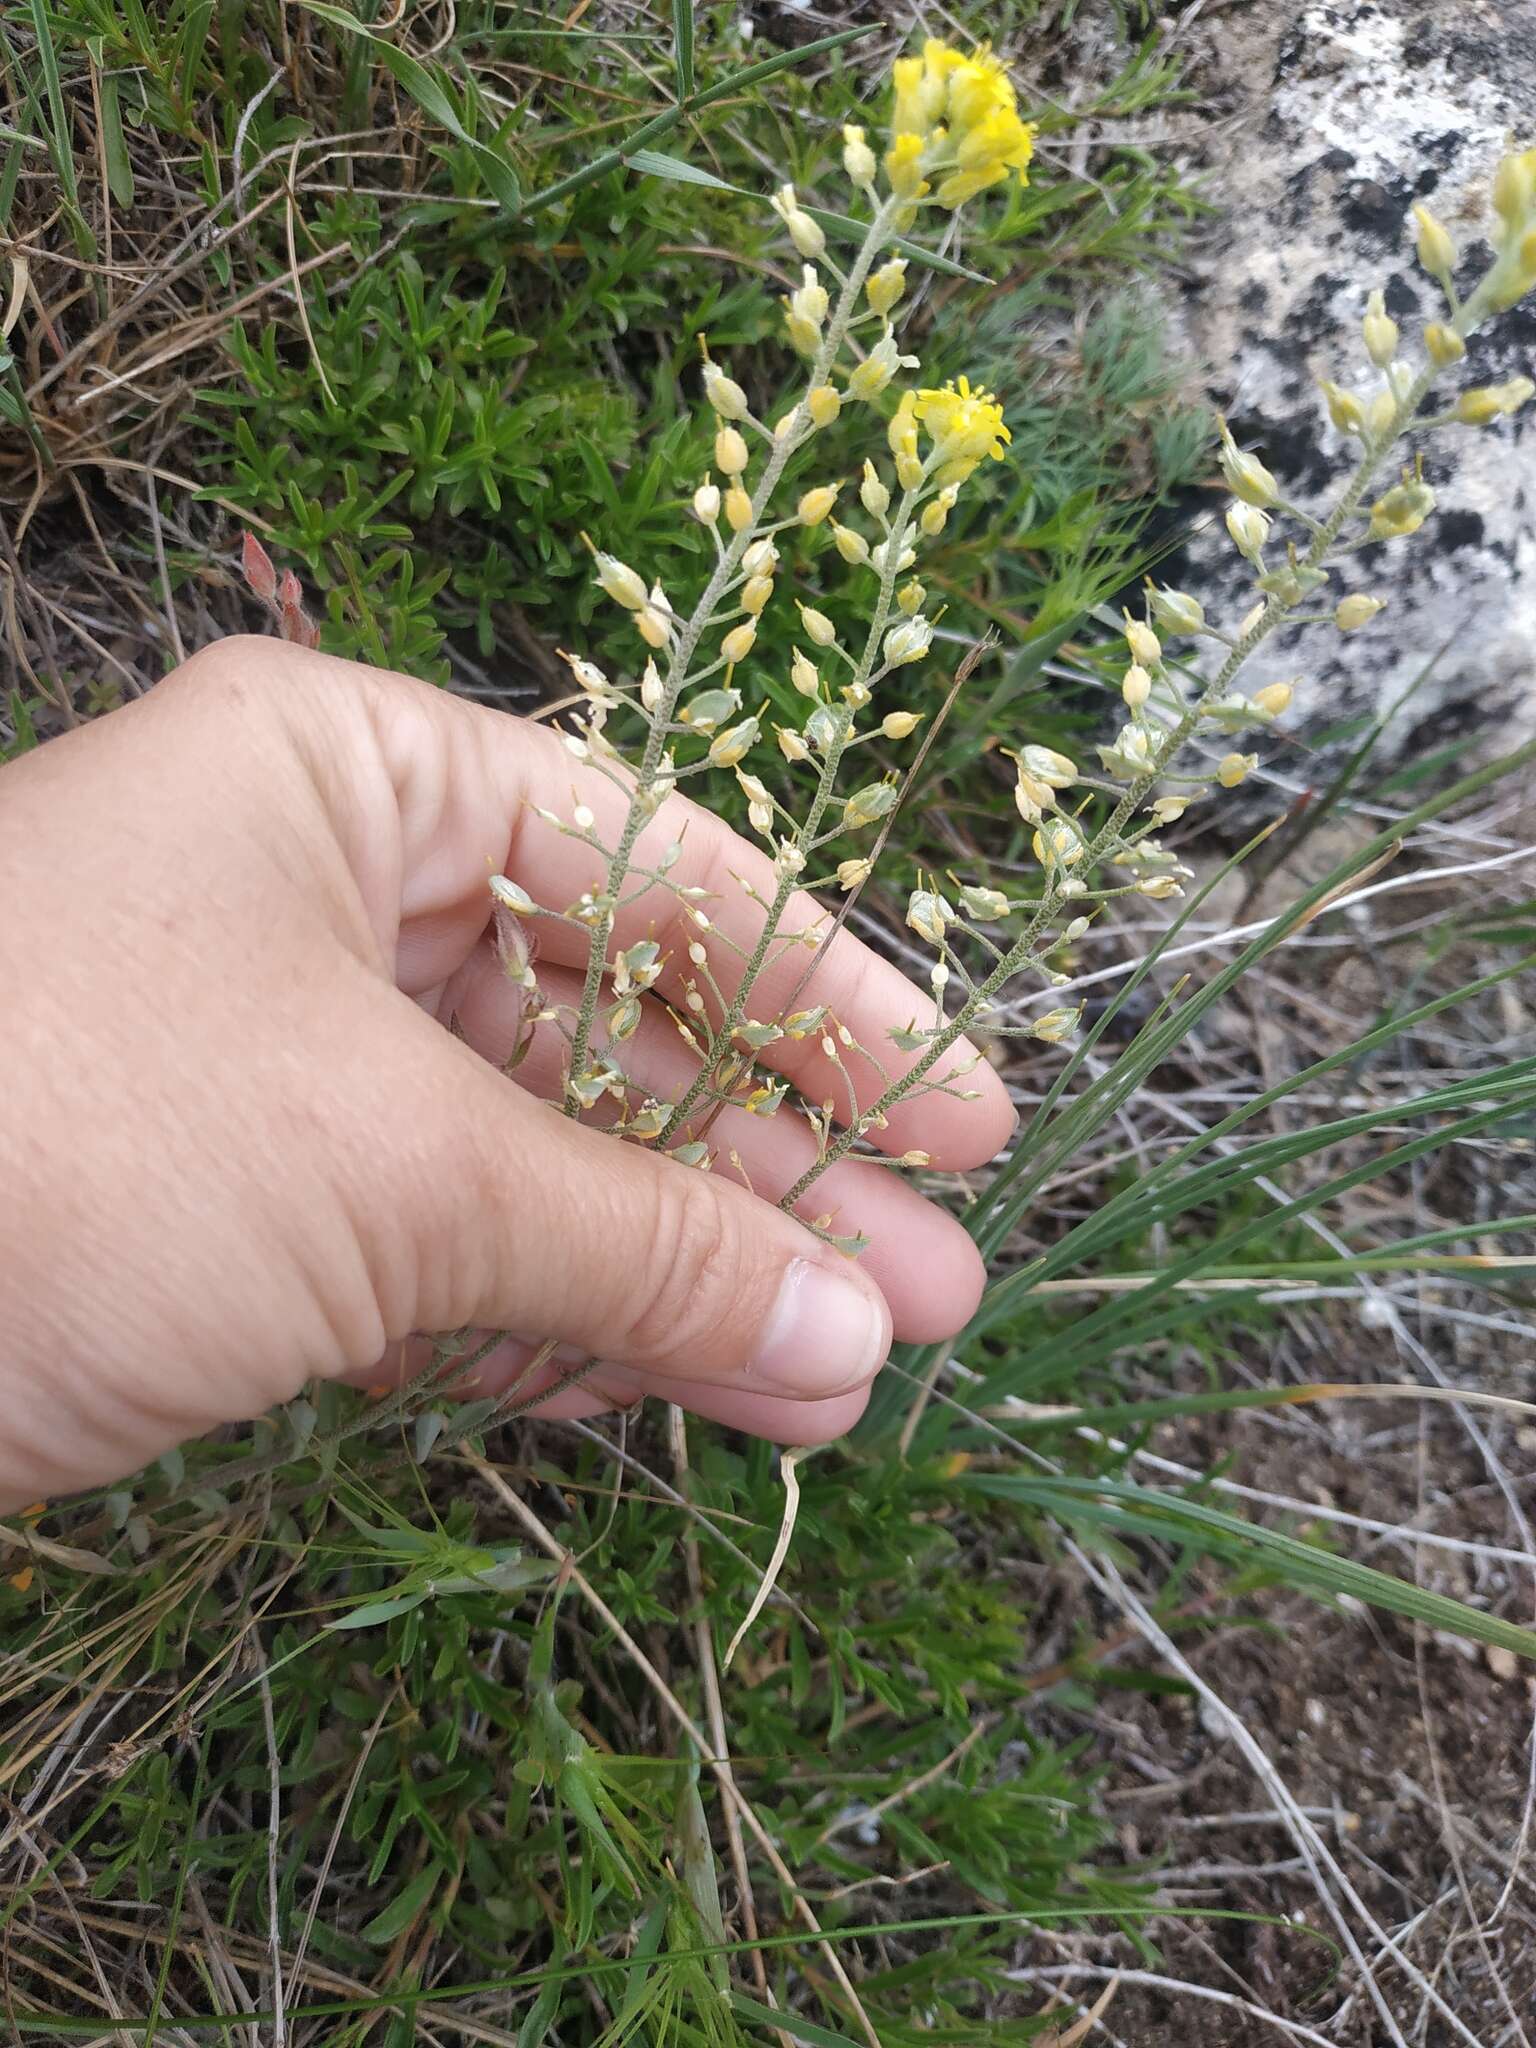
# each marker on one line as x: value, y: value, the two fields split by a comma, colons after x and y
x: 1146, y: 648
x: 804, y: 232
x: 655, y: 627
x: 1175, y: 611
x: 1249, y: 528
x: 1381, y: 413
x: 706, y: 502
x: 1135, y: 687
x: 900, y: 725
x: 1246, y: 476
x: 853, y: 874
x: 738, y: 509
x: 620, y: 582
x: 730, y: 452
x: 1055, y: 770
x: 1378, y: 331
x: 853, y: 547
x: 760, y: 559
x: 1444, y: 344
x: 814, y: 505
x: 937, y: 510
x: 1433, y: 245
x: 724, y: 394
x: 1486, y: 402
x: 869, y: 378
x: 858, y: 159
x: 887, y: 284
x: 810, y: 301
x: 1158, y: 887
x: 737, y: 644
x: 1344, y: 409
x: 791, y: 746
x: 823, y: 402
x: 652, y: 688
x: 1351, y: 613
x: 819, y: 628
x: 755, y: 593
x: 804, y: 339
x: 910, y: 597
x: 803, y: 675
x: 1231, y: 769
x: 1273, y: 699
x: 873, y: 495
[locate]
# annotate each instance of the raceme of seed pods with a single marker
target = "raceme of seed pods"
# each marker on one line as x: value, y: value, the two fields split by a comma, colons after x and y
x: 955, y: 136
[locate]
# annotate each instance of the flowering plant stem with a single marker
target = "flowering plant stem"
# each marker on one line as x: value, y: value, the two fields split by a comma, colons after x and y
x: 688, y: 636
x: 806, y: 835
x: 1276, y: 614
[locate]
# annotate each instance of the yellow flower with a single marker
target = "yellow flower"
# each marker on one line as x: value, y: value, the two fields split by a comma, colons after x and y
x: 955, y: 113
x: 921, y: 87
x: 904, y: 165
x: 965, y: 427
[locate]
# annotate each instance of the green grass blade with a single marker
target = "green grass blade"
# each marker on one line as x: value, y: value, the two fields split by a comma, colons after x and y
x: 60, y: 147
x: 119, y: 164
x: 792, y: 2023
x: 1128, y: 1509
x: 430, y: 87
x: 661, y: 124
x: 682, y: 46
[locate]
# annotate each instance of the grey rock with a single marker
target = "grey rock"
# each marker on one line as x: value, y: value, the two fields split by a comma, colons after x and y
x: 1328, y: 122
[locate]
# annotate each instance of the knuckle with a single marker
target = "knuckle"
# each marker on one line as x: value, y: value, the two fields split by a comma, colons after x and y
x: 683, y: 1301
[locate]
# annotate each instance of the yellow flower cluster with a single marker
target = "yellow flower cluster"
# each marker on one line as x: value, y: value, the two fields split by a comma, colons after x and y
x: 965, y: 428
x: 957, y: 115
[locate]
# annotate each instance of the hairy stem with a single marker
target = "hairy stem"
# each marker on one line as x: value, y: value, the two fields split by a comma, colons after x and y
x: 689, y: 635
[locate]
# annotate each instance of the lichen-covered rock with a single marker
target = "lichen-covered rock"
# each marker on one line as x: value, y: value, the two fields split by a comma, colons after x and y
x: 1329, y: 123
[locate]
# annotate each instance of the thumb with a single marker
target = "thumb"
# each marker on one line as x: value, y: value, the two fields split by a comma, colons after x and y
x: 554, y: 1230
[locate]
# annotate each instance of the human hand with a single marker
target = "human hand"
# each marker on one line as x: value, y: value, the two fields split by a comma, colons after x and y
x: 241, y: 1150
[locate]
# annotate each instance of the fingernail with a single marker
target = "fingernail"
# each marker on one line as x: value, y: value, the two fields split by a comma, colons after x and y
x: 826, y: 1333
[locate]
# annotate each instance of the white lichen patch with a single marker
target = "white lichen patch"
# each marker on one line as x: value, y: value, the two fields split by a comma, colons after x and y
x: 1340, y: 119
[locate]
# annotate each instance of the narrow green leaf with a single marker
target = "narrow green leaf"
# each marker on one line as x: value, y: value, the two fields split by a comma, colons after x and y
x: 401, y: 1911
x: 372, y: 1612
x: 682, y: 46
x: 651, y: 163
x: 1142, y: 1511
x: 792, y: 2023
x: 119, y: 164
x: 663, y: 123
x: 429, y: 86
x: 61, y: 139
